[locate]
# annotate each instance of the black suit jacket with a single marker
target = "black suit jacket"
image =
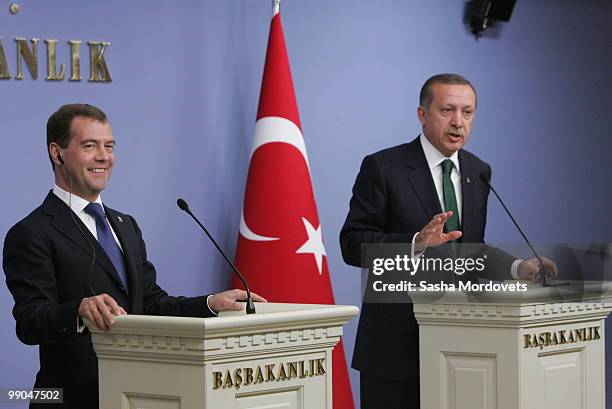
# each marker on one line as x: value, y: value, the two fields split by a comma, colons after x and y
x: 47, y: 257
x: 394, y: 196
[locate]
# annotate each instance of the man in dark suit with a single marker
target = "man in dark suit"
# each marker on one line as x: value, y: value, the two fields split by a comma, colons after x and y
x: 73, y: 258
x: 400, y: 196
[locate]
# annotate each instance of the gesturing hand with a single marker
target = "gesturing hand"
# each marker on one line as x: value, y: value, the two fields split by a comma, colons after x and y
x: 433, y: 233
x: 101, y: 310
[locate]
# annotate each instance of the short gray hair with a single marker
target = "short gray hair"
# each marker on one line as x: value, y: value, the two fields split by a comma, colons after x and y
x: 426, y: 95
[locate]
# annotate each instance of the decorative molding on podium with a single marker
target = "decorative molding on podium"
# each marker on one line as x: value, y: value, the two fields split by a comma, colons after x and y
x: 579, y: 300
x: 509, y: 315
x: 173, y: 339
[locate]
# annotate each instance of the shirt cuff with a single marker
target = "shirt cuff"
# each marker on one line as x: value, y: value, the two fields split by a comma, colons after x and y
x: 414, y: 255
x: 215, y: 313
x: 514, y: 268
x: 80, y: 325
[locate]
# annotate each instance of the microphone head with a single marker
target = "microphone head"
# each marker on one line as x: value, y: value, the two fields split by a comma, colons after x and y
x: 182, y: 204
x: 484, y: 178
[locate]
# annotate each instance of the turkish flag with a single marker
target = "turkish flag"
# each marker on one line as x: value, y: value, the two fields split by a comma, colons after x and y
x: 280, y: 246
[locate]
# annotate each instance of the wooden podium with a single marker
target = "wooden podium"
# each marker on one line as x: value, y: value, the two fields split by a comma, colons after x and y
x: 543, y: 348
x: 280, y: 357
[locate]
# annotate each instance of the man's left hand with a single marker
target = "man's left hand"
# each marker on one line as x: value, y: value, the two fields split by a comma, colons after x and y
x: 528, y: 269
x: 231, y: 300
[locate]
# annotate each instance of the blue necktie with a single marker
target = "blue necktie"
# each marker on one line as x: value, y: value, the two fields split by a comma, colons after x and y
x: 107, y: 241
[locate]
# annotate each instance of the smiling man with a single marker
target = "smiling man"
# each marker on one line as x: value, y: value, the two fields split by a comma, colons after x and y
x: 86, y: 159
x: 424, y: 193
x: 73, y: 258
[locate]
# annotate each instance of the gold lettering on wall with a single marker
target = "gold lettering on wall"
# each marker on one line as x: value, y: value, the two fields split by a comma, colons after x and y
x: 98, y: 70
x: 29, y: 56
x: 52, y: 74
x: 4, y: 70
x: 75, y: 60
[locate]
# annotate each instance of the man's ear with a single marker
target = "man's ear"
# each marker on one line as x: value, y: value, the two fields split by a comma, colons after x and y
x: 422, y: 115
x: 56, y: 154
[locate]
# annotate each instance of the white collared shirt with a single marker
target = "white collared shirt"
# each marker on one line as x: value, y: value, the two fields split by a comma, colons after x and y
x: 78, y: 204
x: 434, y: 160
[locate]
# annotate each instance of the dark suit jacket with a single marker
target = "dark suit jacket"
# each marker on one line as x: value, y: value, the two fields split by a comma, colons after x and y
x: 47, y: 257
x: 393, y: 198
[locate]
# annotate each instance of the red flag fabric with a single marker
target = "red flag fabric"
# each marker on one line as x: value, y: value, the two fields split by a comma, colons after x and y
x: 280, y: 247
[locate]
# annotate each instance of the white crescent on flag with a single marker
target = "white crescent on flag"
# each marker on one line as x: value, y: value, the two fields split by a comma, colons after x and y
x: 267, y: 130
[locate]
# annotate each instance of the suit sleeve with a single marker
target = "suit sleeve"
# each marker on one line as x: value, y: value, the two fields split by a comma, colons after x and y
x: 156, y: 301
x: 30, y: 276
x: 366, y: 221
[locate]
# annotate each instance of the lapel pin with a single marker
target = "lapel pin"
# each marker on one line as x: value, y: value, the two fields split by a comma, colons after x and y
x: 120, y: 219
x: 468, y: 180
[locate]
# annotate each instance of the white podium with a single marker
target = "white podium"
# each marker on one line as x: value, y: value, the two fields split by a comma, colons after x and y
x: 280, y: 357
x: 529, y: 350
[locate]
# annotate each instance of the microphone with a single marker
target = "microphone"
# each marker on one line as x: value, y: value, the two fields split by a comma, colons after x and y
x: 542, y: 272
x: 250, y: 307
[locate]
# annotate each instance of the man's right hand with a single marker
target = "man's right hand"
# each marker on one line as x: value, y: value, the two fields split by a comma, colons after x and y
x: 433, y: 233
x: 100, y: 310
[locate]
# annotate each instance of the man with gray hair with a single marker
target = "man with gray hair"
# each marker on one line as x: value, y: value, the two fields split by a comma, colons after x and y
x: 424, y: 193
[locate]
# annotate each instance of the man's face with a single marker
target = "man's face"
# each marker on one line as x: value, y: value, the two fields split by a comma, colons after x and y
x: 88, y: 159
x: 447, y: 122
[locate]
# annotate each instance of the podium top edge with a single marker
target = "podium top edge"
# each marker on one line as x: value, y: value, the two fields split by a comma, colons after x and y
x: 268, y: 316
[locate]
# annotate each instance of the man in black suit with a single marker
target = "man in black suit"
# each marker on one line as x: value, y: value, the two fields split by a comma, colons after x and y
x: 73, y: 258
x: 399, y: 196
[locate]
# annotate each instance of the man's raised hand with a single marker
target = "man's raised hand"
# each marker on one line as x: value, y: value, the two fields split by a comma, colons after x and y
x: 433, y: 233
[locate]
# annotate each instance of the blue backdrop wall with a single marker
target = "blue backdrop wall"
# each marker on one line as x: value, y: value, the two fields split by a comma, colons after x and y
x: 182, y: 103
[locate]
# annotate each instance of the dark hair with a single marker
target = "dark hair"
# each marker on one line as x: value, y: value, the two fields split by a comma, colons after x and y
x: 59, y: 125
x: 426, y: 95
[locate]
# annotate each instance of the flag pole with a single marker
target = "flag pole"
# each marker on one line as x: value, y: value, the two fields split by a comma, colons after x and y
x: 275, y: 7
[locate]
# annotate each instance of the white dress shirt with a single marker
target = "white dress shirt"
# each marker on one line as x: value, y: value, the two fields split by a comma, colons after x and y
x: 434, y: 160
x: 78, y: 204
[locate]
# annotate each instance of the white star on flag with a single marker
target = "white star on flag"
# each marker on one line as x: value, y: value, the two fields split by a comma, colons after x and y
x: 314, y: 244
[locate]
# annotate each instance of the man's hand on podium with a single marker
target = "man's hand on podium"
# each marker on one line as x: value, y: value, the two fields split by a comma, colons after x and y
x: 528, y: 269
x: 231, y: 300
x: 101, y: 310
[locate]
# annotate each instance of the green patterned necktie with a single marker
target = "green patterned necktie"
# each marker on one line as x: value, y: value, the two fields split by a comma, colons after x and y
x: 450, y: 201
